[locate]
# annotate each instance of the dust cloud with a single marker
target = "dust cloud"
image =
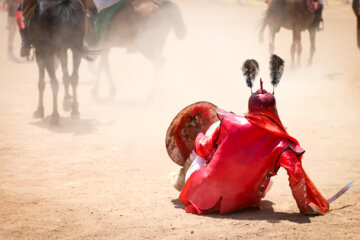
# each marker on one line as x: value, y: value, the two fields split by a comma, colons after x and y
x: 105, y: 175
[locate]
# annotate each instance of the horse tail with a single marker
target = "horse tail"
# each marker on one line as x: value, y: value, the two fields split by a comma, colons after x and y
x: 355, y: 7
x: 176, y: 18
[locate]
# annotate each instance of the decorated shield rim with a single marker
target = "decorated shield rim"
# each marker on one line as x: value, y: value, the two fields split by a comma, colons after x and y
x: 175, y: 153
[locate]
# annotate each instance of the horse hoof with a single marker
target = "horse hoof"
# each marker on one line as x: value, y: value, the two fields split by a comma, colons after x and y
x: 55, y: 121
x: 67, y: 104
x: 39, y: 113
x: 75, y: 114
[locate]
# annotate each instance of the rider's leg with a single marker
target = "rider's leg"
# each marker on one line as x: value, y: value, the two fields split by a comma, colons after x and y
x: 318, y: 16
x: 25, y: 46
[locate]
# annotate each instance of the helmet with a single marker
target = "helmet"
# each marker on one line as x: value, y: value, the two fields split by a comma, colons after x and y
x: 262, y: 102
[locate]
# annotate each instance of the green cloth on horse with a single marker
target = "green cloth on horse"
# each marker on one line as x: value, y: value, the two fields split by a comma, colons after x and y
x: 102, y: 20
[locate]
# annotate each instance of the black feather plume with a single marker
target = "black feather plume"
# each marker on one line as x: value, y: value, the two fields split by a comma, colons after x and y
x: 276, y: 69
x: 250, y: 69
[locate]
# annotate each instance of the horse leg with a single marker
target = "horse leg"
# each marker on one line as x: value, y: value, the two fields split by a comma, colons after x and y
x: 39, y: 113
x: 174, y: 16
x: 95, y: 89
x: 312, y: 33
x: 299, y: 46
x: 74, y: 83
x: 62, y: 55
x: 272, y: 33
x: 358, y: 31
x: 296, y: 46
x: 261, y: 33
x: 154, y: 55
x: 50, y: 67
x: 106, y: 66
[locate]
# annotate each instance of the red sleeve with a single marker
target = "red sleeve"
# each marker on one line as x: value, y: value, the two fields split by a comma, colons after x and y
x: 307, y: 196
x: 204, y: 145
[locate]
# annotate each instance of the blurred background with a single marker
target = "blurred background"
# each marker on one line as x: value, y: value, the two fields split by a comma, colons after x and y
x: 105, y: 175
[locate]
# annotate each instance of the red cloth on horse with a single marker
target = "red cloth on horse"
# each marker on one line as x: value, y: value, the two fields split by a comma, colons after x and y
x: 242, y: 154
x: 313, y: 5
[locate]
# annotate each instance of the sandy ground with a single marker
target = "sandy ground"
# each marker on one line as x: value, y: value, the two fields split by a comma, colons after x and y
x: 105, y: 176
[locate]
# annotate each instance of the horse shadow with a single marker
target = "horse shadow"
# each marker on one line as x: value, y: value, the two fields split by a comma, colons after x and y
x: 68, y: 125
x: 254, y: 214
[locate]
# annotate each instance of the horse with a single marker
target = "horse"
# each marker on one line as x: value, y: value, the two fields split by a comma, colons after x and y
x: 356, y: 8
x: 55, y: 27
x: 136, y: 33
x: 293, y: 15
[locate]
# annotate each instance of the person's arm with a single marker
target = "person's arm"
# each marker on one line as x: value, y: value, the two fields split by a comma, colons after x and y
x: 204, y: 144
x: 307, y: 196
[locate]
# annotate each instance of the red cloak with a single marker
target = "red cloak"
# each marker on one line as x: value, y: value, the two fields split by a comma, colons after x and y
x: 242, y: 155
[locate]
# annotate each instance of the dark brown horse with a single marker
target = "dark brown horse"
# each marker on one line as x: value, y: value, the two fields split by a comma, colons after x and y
x: 55, y: 27
x: 356, y: 8
x: 144, y: 34
x: 293, y: 15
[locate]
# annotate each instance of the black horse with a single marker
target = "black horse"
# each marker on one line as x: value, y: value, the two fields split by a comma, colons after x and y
x: 55, y: 27
x: 356, y: 9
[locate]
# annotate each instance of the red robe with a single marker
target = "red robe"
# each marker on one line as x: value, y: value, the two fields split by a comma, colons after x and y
x: 243, y: 154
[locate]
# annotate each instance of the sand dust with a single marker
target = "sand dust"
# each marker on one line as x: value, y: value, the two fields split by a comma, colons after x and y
x: 105, y: 176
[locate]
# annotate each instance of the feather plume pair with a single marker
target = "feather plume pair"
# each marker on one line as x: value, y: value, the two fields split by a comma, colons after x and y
x: 250, y: 70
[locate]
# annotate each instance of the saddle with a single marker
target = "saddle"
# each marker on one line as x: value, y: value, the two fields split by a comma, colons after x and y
x: 146, y: 8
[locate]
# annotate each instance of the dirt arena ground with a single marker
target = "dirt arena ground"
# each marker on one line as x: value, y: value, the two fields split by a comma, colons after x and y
x: 105, y: 176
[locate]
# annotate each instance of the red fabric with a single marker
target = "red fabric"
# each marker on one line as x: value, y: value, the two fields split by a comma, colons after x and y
x: 312, y: 5
x: 272, y: 125
x: 19, y: 20
x: 241, y: 167
x: 303, y: 189
x: 204, y: 145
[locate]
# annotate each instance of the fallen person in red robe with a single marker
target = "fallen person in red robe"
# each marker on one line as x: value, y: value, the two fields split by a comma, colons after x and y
x: 233, y: 163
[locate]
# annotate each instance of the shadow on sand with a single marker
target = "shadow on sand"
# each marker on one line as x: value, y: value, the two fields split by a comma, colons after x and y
x: 254, y: 214
x: 68, y: 125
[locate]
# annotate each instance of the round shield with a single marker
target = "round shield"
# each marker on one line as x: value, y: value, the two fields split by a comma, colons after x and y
x: 181, y: 134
